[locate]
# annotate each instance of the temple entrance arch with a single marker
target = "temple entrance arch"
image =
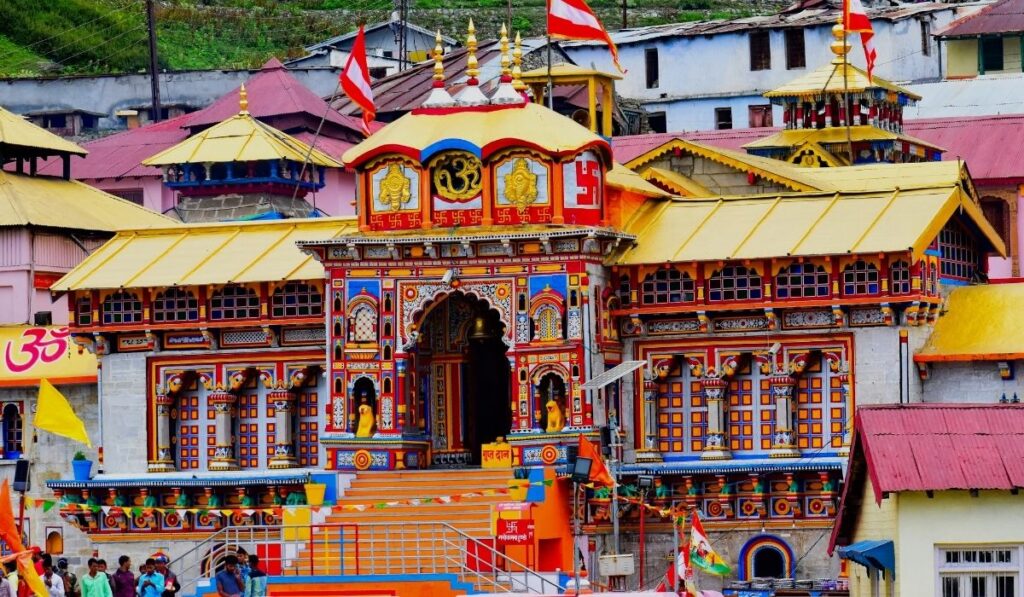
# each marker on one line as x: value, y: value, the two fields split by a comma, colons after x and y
x: 463, y: 391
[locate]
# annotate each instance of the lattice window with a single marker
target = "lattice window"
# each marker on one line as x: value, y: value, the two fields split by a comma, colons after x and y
x: 12, y: 430
x: 83, y: 311
x: 122, y: 307
x: 802, y: 280
x: 625, y: 299
x: 860, y: 277
x: 734, y: 283
x: 308, y: 423
x: 899, y: 277
x: 821, y: 408
x: 175, y: 304
x: 296, y: 299
x: 547, y: 323
x: 362, y: 324
x: 698, y: 417
x: 249, y: 437
x: 235, y: 302
x: 750, y: 411
x: 673, y: 400
x: 191, y: 432
x: 958, y: 251
x: 667, y: 285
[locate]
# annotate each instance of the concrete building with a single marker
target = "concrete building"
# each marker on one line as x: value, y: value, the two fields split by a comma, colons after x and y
x: 985, y: 43
x: 712, y: 74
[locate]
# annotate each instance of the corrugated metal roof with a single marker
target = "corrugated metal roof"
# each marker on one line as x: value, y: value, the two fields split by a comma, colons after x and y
x: 936, y: 447
x: 962, y: 334
x: 69, y: 204
x: 833, y: 78
x: 977, y: 96
x: 206, y: 254
x: 622, y: 178
x: 20, y: 133
x: 337, y: 39
x: 1005, y: 16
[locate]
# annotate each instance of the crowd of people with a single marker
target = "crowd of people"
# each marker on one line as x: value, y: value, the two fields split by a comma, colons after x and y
x: 239, y: 576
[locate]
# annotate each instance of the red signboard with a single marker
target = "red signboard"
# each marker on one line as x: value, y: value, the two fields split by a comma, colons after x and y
x: 515, y: 532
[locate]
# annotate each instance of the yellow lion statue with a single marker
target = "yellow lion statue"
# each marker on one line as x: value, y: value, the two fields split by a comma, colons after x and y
x: 366, y: 421
x: 555, y: 420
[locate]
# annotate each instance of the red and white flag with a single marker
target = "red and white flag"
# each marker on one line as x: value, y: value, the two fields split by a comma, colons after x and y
x: 355, y: 80
x: 855, y: 20
x: 573, y: 19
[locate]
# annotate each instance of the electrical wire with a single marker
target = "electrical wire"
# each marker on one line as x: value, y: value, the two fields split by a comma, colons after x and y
x: 66, y: 31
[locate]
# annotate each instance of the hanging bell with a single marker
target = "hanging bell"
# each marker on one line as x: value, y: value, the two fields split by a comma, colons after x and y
x: 481, y: 329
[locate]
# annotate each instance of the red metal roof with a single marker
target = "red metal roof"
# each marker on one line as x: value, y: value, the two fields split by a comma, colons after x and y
x: 936, y: 447
x: 1006, y: 16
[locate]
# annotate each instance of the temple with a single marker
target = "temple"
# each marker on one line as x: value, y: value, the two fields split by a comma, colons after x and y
x: 506, y: 281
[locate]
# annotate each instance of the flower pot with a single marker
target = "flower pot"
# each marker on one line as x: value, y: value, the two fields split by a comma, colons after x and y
x: 82, y: 469
x: 315, y: 493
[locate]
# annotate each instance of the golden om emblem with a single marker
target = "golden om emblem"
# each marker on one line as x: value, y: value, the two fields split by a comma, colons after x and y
x: 457, y: 177
x: 395, y: 188
x: 521, y: 184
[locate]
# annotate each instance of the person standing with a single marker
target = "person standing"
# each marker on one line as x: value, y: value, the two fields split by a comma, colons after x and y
x: 95, y: 583
x: 123, y: 578
x: 151, y: 583
x: 256, y: 584
x: 229, y: 580
x: 6, y: 588
x: 70, y: 578
x: 52, y: 580
x: 102, y: 565
x: 171, y: 585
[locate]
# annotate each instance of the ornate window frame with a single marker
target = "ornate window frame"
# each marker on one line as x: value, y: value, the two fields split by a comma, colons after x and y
x: 306, y: 295
x: 735, y: 283
x: 225, y: 302
x: 803, y: 280
x: 861, y: 278
x: 121, y: 307
x: 175, y: 305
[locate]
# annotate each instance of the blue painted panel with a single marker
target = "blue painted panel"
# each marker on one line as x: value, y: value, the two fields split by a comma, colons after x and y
x: 558, y: 282
x: 356, y: 287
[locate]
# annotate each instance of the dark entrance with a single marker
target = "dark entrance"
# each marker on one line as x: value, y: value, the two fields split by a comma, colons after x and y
x: 464, y: 378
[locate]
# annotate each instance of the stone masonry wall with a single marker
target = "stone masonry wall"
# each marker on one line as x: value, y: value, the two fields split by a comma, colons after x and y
x: 123, y: 378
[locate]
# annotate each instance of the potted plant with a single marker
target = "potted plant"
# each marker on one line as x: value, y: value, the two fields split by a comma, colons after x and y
x: 81, y: 467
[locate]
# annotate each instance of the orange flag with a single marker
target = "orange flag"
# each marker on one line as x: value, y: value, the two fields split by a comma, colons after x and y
x: 9, y: 533
x: 598, y: 470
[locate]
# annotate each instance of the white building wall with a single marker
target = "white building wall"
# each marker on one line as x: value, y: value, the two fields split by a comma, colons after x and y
x: 123, y: 408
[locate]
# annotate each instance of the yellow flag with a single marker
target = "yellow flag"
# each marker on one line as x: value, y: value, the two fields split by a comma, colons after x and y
x: 54, y: 414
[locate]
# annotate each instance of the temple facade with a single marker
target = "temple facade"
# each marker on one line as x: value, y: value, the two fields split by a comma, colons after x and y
x: 744, y: 304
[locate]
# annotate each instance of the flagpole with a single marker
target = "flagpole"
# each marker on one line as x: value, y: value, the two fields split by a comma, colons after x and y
x: 675, y: 548
x: 846, y: 85
x: 551, y: 83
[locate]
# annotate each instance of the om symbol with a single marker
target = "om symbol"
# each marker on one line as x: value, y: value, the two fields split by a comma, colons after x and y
x: 457, y: 176
x: 37, y: 345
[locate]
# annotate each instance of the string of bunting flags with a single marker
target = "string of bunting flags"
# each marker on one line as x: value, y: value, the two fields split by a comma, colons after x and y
x: 48, y: 504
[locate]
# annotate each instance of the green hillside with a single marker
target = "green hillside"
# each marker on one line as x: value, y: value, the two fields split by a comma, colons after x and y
x: 104, y: 36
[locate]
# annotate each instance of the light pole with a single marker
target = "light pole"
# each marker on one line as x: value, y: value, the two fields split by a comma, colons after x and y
x: 579, y: 473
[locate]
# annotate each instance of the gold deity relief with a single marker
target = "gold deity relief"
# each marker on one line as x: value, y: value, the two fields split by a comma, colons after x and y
x: 395, y: 187
x: 522, y: 182
x: 457, y: 176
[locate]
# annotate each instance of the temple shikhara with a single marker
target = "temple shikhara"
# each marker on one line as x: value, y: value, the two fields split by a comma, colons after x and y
x: 505, y: 287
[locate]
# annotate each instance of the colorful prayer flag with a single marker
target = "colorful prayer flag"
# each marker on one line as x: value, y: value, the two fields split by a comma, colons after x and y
x: 701, y: 554
x: 573, y: 19
x: 54, y: 414
x: 355, y: 80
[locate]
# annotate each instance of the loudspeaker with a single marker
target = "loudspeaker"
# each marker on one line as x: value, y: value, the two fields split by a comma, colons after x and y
x: 21, y: 475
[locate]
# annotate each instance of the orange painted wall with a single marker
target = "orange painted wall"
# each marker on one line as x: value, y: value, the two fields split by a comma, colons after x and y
x: 435, y: 588
x: 552, y: 520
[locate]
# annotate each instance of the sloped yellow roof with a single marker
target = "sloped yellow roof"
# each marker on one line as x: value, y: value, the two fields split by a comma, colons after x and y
x: 682, y: 185
x: 482, y: 130
x: 58, y: 203
x: 979, y: 323
x: 777, y: 171
x: 566, y: 71
x: 622, y: 178
x: 240, y: 138
x: 15, y: 130
x: 218, y: 253
x: 797, y: 224
x: 828, y: 79
x: 832, y: 135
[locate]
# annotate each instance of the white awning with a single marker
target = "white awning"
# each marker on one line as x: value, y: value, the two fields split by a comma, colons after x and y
x: 614, y: 374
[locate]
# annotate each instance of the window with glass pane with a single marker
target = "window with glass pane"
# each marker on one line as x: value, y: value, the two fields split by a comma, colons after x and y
x: 734, y: 283
x: 83, y: 311
x: 899, y: 277
x: 122, y: 307
x: 860, y: 277
x: 235, y: 302
x: 980, y: 571
x: 624, y: 290
x: 959, y: 254
x: 802, y: 280
x: 175, y: 304
x: 296, y: 299
x: 667, y: 285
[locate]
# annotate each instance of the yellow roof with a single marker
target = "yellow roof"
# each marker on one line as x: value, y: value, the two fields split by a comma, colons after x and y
x: 482, y: 130
x: 199, y: 254
x: 15, y: 130
x: 832, y: 135
x: 979, y: 323
x: 797, y: 224
x: 682, y: 185
x: 777, y: 171
x: 624, y: 179
x: 58, y: 203
x: 828, y: 79
x: 240, y: 138
x: 565, y: 71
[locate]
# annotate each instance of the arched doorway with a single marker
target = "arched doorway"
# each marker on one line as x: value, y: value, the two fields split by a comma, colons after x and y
x: 769, y: 563
x: 463, y: 378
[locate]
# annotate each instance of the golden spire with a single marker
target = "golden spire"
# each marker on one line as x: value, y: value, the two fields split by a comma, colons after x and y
x: 243, y: 100
x: 517, y: 64
x: 472, y: 69
x: 438, y: 61
x: 839, y: 46
x: 506, y: 71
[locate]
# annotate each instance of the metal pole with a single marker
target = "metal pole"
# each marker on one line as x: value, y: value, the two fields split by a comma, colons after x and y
x: 154, y: 75
x: 551, y: 82
x: 846, y: 90
x: 625, y: 17
x: 613, y: 463
x: 643, y: 515
x: 675, y: 549
x: 575, y: 535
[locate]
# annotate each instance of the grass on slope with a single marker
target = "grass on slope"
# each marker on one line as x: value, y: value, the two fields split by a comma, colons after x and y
x: 15, y: 59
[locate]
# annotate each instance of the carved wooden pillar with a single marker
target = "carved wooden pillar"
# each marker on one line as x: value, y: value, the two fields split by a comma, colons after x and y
x: 224, y: 450
x: 715, y: 440
x: 284, y: 423
x: 784, y: 442
x: 649, y: 452
x: 844, y: 385
x: 164, y: 458
x: 401, y: 396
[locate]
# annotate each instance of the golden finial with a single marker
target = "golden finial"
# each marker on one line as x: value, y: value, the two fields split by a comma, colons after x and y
x: 243, y: 100
x: 506, y: 71
x: 472, y: 69
x: 438, y: 61
x: 517, y: 64
x: 839, y: 46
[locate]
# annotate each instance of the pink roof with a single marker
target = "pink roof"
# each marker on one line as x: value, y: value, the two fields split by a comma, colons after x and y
x: 1006, y: 16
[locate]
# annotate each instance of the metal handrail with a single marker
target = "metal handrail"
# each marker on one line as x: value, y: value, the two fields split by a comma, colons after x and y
x: 372, y: 547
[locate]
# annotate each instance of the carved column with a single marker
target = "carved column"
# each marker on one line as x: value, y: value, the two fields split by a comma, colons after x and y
x: 649, y: 451
x: 844, y: 384
x: 537, y: 402
x: 284, y: 440
x: 715, y: 440
x: 164, y: 457
x: 784, y: 442
x: 224, y: 450
x: 401, y: 396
